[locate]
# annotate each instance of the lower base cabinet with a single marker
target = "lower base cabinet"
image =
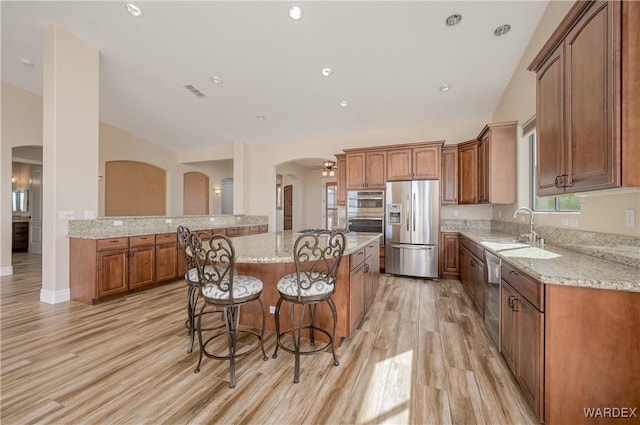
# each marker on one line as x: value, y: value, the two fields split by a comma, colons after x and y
x: 364, y: 279
x: 522, y: 334
x: 473, y: 272
x: 112, y: 272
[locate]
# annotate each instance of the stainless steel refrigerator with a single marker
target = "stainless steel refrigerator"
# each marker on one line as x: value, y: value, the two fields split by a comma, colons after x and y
x: 411, y: 230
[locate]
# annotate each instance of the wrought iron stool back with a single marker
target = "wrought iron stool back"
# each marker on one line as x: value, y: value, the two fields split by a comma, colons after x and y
x: 317, y: 256
x: 220, y: 286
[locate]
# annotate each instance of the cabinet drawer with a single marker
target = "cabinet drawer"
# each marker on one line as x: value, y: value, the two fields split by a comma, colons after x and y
x: 253, y: 230
x: 243, y: 231
x: 264, y: 228
x: 474, y: 248
x: 166, y: 238
x: 115, y: 243
x: 371, y: 249
x: 528, y: 287
x: 232, y: 231
x: 142, y: 240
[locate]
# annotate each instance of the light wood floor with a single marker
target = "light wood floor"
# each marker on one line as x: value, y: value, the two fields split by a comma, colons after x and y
x: 421, y: 356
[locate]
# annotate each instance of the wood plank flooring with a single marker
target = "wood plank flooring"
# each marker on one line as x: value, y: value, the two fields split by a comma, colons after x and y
x: 421, y: 356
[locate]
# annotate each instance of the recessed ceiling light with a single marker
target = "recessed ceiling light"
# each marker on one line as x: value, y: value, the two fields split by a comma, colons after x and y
x: 444, y: 87
x: 133, y: 10
x: 216, y: 80
x: 344, y: 103
x: 453, y: 20
x: 26, y: 62
x: 261, y: 117
x: 502, y: 30
x: 327, y: 72
x: 295, y: 13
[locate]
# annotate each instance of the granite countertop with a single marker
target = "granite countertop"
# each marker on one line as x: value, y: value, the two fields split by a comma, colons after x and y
x: 118, y: 227
x: 277, y: 247
x: 554, y: 265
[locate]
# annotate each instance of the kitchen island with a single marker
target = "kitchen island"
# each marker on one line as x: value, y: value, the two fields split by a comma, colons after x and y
x: 116, y: 256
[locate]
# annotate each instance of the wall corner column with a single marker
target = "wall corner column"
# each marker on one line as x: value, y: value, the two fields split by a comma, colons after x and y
x: 70, y: 150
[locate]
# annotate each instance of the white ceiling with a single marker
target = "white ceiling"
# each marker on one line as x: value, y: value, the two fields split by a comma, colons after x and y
x: 388, y: 60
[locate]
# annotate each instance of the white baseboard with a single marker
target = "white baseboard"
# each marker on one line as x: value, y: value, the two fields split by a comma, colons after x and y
x: 55, y: 297
x: 6, y: 271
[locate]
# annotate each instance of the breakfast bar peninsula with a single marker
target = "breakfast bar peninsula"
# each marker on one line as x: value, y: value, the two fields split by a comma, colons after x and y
x: 120, y: 255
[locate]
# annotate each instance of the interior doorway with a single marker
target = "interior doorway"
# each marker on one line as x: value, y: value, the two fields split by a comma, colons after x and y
x: 227, y: 196
x: 288, y: 207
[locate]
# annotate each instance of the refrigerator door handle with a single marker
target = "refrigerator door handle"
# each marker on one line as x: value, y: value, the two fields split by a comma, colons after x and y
x: 407, y: 214
x: 413, y: 209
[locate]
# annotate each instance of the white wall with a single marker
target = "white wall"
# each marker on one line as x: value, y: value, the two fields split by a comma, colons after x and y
x: 117, y: 144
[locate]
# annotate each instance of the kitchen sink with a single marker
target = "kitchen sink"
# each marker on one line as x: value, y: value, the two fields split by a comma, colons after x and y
x: 500, y: 244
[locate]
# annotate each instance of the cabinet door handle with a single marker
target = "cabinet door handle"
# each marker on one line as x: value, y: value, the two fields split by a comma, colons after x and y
x: 513, y: 272
x: 557, y: 182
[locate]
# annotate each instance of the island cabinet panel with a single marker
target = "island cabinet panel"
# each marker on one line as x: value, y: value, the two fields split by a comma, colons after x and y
x: 141, y: 260
x: 357, y: 281
x: 591, y: 355
x: 112, y: 272
x: 449, y: 175
x: 113, y: 267
x: 587, y: 100
x: 166, y: 257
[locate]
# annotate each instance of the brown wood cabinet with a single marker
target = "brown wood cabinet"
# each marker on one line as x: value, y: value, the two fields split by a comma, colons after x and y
x: 112, y: 267
x: 166, y: 257
x: 497, y: 174
x: 468, y: 172
x: 142, y: 255
x: 588, y: 107
x: 421, y: 162
x: 341, y: 165
x: 20, y: 236
x: 357, y: 302
x: 522, y: 333
x: 473, y: 272
x: 371, y: 272
x: 449, y: 175
x: 366, y: 169
x: 591, y: 353
x: 449, y: 255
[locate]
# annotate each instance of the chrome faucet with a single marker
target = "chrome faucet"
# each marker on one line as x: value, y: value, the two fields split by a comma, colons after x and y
x: 532, y: 235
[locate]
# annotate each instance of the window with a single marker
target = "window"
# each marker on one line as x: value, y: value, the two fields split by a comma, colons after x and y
x: 548, y: 203
x: 331, y: 213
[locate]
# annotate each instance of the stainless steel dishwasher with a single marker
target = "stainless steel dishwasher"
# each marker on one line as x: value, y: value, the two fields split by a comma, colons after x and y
x: 492, y: 296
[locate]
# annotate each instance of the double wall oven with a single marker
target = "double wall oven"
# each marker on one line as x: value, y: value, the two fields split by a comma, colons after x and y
x: 365, y: 211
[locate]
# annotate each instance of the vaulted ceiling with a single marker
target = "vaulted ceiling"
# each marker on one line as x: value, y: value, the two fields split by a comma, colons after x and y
x: 388, y: 60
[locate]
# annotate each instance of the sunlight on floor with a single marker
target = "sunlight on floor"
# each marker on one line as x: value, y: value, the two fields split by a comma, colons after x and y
x: 389, y: 395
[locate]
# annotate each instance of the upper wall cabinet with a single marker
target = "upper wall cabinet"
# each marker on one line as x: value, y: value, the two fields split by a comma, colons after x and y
x: 420, y: 162
x: 468, y: 172
x: 497, y: 163
x: 449, y: 175
x: 366, y: 169
x: 588, y: 100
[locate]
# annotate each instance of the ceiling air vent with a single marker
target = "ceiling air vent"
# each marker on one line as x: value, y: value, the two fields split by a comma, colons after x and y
x: 193, y: 89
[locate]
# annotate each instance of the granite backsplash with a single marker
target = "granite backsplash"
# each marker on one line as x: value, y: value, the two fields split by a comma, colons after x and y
x: 618, y: 248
